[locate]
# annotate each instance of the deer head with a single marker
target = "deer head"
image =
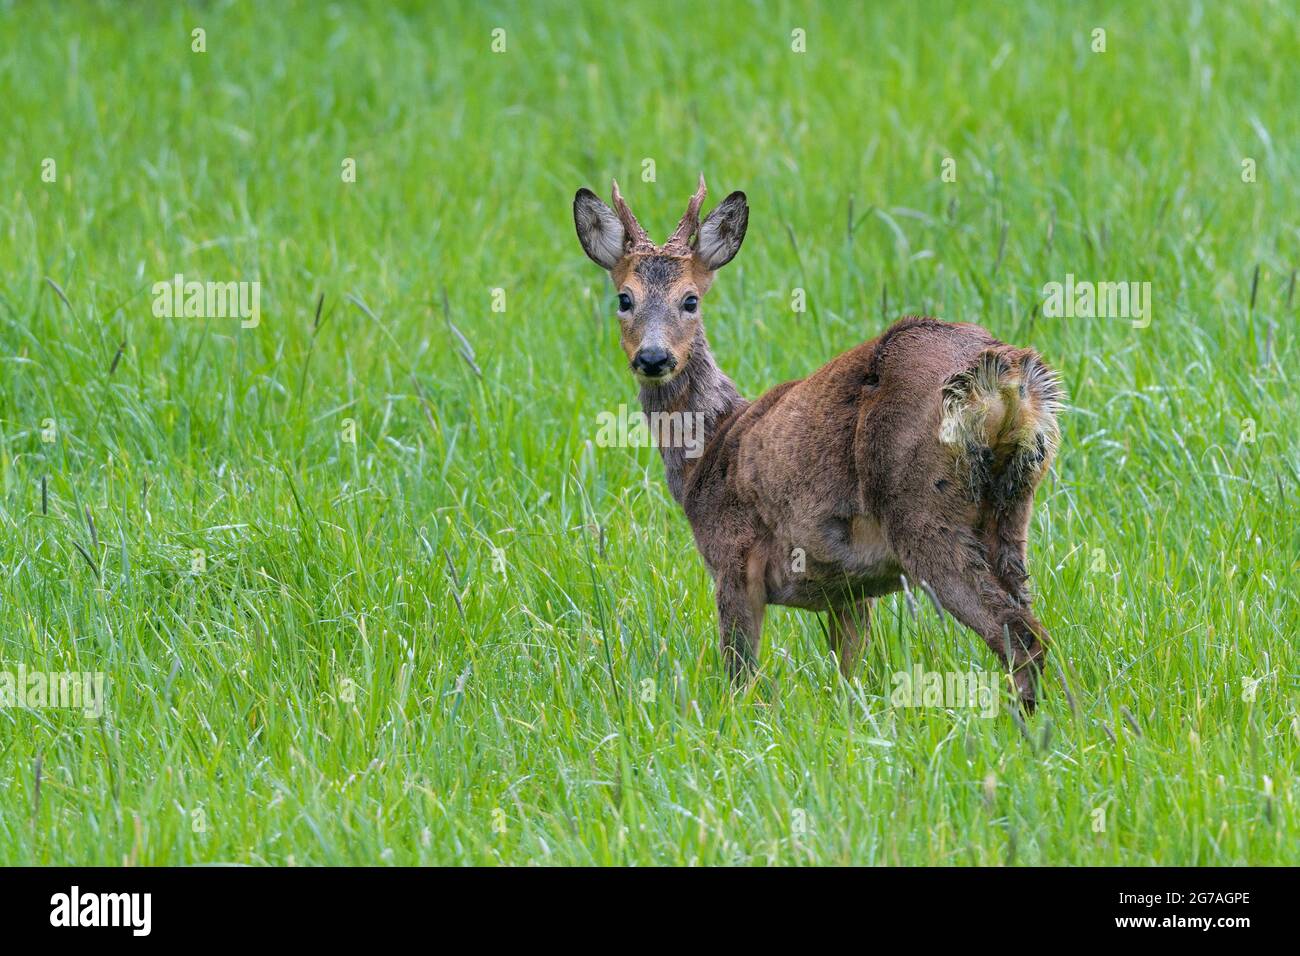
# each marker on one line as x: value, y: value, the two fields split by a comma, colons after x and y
x: 659, y: 287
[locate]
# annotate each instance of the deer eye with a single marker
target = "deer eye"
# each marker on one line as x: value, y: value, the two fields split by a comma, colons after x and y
x: 624, y: 302
x: 691, y: 303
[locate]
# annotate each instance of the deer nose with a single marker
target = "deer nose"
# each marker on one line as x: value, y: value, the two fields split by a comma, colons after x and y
x: 653, y: 362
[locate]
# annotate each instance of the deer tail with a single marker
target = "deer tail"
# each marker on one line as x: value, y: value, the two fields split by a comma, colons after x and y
x: 999, y: 420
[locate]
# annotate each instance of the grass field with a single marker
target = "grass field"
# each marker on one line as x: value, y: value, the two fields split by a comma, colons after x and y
x: 364, y: 589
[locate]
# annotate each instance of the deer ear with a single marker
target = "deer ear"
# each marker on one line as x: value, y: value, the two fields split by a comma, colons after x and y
x: 599, y: 229
x: 722, y: 232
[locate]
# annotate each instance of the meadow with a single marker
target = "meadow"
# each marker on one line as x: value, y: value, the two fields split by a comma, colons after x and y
x: 363, y: 586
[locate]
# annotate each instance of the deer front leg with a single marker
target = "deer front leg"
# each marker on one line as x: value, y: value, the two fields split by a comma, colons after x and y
x: 849, y: 631
x: 741, y: 606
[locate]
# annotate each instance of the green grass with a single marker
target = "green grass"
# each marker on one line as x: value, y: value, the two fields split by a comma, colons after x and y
x: 474, y: 636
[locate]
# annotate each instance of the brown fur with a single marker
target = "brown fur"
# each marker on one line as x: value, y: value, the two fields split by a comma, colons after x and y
x: 916, y: 454
x: 666, y: 279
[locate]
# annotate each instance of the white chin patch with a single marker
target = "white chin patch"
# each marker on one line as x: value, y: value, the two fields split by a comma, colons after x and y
x: 656, y: 380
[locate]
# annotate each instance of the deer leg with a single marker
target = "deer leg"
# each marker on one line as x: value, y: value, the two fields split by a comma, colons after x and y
x: 952, y: 562
x: 1004, y: 532
x: 1008, y: 512
x: 849, y: 631
x: 742, y: 604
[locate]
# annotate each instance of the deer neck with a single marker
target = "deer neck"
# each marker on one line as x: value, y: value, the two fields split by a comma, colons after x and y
x: 684, y: 413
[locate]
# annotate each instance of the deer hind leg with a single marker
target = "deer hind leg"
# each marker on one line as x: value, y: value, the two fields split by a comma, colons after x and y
x: 1004, y: 532
x: 1011, y: 500
x: 954, y: 563
x: 849, y: 632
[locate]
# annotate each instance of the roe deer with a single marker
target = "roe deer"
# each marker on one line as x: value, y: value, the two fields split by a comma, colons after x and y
x: 915, y: 454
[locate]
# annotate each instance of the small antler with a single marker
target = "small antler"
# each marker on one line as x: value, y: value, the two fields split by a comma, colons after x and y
x: 634, y: 237
x: 679, y: 243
